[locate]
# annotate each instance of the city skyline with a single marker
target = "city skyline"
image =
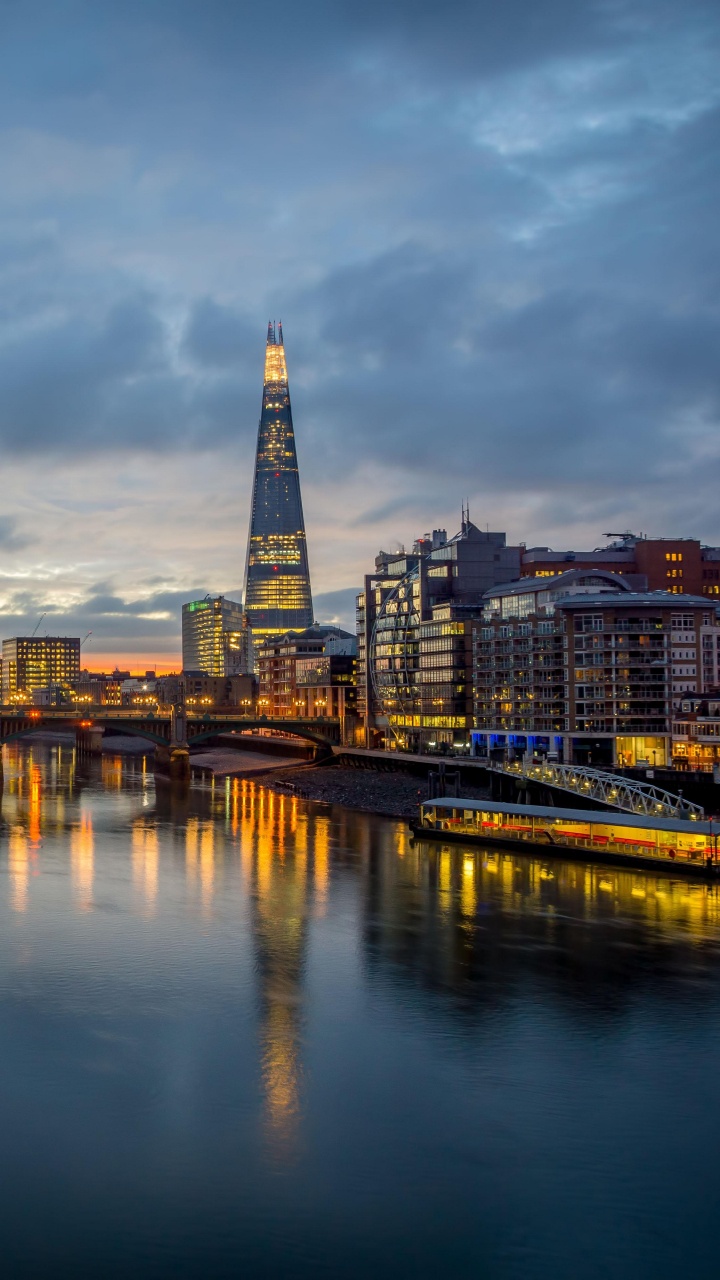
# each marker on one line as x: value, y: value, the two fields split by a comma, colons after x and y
x: 496, y: 255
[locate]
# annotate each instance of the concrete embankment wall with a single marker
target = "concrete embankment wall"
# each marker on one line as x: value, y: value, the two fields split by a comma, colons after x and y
x: 265, y: 744
x: 473, y: 774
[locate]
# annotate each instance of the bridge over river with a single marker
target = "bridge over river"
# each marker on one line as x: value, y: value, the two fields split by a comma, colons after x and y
x: 172, y: 732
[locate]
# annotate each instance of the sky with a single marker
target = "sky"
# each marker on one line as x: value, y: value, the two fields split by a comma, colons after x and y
x: 490, y: 231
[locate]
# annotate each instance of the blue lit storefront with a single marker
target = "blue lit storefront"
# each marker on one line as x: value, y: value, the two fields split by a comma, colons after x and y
x: 497, y: 746
x: 601, y: 750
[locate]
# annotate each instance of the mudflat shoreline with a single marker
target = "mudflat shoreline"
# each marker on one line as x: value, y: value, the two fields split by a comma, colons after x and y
x: 394, y: 795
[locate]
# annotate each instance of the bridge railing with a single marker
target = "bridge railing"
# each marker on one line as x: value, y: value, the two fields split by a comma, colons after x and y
x: 609, y: 788
x: 109, y: 712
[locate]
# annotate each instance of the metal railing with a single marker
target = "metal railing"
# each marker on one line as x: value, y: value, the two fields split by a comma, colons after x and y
x: 608, y: 788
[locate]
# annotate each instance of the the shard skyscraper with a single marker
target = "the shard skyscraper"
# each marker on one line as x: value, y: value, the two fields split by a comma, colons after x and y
x: 277, y: 578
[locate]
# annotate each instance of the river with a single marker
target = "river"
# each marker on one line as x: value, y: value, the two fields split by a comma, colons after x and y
x: 248, y: 1036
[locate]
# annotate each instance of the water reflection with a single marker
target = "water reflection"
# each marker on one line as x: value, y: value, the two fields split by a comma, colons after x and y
x: 18, y: 868
x: 466, y: 925
x: 305, y: 973
x: 145, y: 846
x: 279, y: 871
x: 82, y: 860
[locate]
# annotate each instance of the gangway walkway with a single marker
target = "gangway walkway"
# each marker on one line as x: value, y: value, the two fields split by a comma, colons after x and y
x: 608, y: 788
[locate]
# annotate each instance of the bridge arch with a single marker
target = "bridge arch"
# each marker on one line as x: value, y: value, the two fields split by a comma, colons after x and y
x: 289, y: 729
x: 158, y: 729
x: 12, y: 732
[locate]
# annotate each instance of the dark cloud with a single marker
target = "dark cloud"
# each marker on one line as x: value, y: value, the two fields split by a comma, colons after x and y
x: 218, y: 337
x: 491, y: 232
x: 150, y: 622
x: 337, y: 607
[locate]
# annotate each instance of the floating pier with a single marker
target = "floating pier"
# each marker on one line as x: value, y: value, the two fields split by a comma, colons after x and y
x: 685, y: 845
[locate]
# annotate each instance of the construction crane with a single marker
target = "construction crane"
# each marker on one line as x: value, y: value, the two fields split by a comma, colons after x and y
x: 37, y: 624
x: 87, y: 637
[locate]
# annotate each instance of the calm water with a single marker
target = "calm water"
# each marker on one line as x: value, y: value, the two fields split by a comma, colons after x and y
x: 247, y: 1036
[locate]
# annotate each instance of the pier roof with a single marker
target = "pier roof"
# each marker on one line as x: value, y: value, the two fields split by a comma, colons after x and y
x: 607, y: 816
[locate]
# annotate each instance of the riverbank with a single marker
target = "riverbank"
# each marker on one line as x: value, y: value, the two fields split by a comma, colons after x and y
x: 225, y: 762
x: 394, y: 795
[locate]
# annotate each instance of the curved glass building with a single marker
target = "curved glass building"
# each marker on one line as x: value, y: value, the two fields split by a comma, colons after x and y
x: 277, y: 577
x: 394, y: 650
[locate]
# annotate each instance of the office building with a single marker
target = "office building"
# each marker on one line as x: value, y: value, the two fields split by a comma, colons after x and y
x: 277, y: 577
x: 38, y: 662
x: 414, y: 637
x: 212, y: 636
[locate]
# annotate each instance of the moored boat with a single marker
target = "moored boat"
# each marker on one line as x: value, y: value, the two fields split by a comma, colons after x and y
x: 685, y: 845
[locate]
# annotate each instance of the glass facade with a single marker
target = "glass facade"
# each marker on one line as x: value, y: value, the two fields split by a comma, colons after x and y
x: 35, y: 662
x: 277, y: 578
x: 212, y: 636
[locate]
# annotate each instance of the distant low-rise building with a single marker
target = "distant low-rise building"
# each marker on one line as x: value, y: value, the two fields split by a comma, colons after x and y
x: 238, y: 692
x: 113, y: 689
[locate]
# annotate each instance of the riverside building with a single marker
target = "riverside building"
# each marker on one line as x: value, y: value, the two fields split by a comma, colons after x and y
x: 307, y: 656
x: 696, y: 735
x: 38, y: 662
x: 586, y: 670
x: 277, y: 578
x: 212, y: 636
x: 414, y: 627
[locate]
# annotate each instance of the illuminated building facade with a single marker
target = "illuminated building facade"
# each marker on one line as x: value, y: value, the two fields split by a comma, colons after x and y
x: 696, y: 735
x: 37, y: 662
x: 277, y: 578
x: 581, y: 667
x: 306, y: 655
x: 213, y: 636
x: 414, y: 637
x: 200, y: 690
x: 326, y: 686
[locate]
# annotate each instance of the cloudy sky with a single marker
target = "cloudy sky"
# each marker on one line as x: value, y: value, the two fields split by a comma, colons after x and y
x: 490, y: 231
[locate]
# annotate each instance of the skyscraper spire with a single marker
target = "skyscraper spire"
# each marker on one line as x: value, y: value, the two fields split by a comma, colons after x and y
x: 277, y: 578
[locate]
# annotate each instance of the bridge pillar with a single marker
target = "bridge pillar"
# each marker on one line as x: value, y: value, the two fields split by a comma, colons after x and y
x: 180, y: 764
x: 173, y: 761
x: 89, y: 740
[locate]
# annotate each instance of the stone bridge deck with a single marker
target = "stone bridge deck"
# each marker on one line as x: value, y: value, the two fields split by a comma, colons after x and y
x: 158, y: 726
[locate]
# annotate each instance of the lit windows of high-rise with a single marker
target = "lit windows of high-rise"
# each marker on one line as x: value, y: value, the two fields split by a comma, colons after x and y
x: 212, y: 636
x: 277, y: 578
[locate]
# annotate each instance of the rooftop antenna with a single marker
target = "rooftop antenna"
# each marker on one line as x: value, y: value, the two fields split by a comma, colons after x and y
x: 37, y: 624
